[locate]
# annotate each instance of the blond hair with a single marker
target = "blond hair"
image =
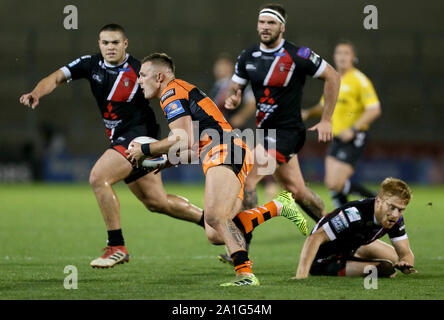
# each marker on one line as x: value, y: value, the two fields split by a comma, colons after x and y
x: 395, y: 187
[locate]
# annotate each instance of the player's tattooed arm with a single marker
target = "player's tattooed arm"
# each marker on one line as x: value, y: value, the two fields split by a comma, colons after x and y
x: 250, y: 199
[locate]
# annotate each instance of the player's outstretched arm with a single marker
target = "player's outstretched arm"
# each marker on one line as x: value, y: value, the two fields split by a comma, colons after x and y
x: 309, y: 251
x: 406, y: 258
x: 331, y: 91
x: 43, y: 88
x: 234, y: 96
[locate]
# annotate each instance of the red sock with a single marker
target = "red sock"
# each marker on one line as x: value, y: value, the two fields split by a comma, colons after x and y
x: 251, y: 218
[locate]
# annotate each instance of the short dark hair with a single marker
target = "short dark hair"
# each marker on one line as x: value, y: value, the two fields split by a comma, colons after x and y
x: 113, y: 27
x: 160, y: 58
x: 277, y: 7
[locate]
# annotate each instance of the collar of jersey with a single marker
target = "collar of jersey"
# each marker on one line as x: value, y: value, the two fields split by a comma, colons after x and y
x: 375, y: 221
x: 272, y: 50
x: 117, y: 65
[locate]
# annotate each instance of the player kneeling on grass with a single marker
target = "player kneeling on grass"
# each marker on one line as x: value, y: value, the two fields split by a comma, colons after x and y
x: 226, y: 161
x: 345, y: 241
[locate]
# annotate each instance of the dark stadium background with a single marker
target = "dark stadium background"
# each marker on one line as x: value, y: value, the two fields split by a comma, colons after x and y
x: 61, y: 139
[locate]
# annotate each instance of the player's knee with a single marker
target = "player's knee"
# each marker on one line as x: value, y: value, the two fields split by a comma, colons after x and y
x: 385, y: 268
x: 96, y: 180
x: 213, y: 219
x: 213, y: 237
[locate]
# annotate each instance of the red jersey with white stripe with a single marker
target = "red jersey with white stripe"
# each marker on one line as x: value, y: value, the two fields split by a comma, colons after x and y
x: 277, y: 78
x: 117, y: 93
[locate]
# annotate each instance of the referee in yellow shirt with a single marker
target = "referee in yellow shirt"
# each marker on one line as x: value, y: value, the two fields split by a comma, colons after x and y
x: 357, y: 107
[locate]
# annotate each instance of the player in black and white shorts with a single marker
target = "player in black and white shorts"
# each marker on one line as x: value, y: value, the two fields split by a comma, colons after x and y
x: 113, y: 76
x: 345, y: 242
x: 349, y: 152
x: 277, y: 70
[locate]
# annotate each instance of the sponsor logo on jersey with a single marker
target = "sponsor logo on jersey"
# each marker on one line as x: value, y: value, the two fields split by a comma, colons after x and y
x: 168, y: 94
x: 124, y: 69
x: 279, y: 54
x: 97, y: 78
x: 121, y: 139
x: 353, y: 214
x: 315, y: 58
x: 173, y: 109
x: 339, y: 222
x: 256, y: 54
x: 250, y: 66
x: 111, y: 124
x: 304, y: 52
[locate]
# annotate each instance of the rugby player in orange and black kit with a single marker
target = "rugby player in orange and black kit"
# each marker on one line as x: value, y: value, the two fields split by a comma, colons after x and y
x: 113, y: 75
x: 226, y: 161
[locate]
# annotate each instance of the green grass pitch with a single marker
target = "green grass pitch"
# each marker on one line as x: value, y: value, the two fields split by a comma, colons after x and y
x: 44, y: 228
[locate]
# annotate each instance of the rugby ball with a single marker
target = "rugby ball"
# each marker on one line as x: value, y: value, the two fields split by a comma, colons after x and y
x: 152, y: 162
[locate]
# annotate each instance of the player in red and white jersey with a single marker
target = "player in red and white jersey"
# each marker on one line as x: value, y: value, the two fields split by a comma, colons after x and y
x: 112, y: 75
x: 277, y: 70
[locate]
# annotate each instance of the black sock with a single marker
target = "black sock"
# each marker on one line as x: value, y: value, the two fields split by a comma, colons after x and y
x: 239, y: 257
x: 357, y: 188
x: 115, y: 238
x: 339, y: 199
x: 202, y: 220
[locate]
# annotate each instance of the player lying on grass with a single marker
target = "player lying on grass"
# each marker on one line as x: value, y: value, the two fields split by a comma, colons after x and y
x: 226, y: 161
x: 345, y: 241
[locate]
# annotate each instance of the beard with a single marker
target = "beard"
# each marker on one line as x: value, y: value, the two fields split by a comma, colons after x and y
x: 271, y: 40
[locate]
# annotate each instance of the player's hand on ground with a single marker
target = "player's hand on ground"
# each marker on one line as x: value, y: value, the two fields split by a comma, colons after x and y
x: 324, y: 128
x: 298, y: 277
x: 346, y: 135
x: 233, y: 101
x: 135, y: 154
x: 30, y: 100
x: 405, y: 267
